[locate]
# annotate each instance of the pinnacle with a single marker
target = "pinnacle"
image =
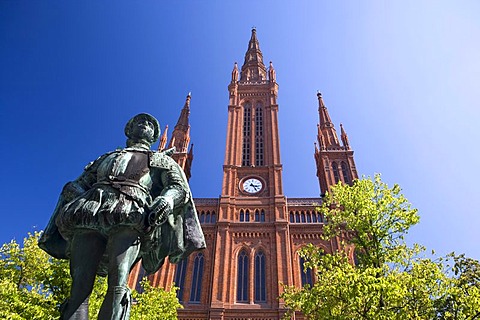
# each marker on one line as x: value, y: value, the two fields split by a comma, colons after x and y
x: 253, y: 68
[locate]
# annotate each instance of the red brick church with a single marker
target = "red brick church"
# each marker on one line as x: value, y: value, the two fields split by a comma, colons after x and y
x: 253, y: 231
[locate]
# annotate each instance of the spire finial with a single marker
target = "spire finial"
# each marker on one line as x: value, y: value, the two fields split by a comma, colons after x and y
x: 187, y: 101
x: 235, y: 72
x: 344, y: 137
x: 271, y: 73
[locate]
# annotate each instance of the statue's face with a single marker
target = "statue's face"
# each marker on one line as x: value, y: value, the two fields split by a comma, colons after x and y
x: 143, y: 129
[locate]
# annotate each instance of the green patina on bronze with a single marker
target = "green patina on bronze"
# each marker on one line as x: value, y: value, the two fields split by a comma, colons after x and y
x: 129, y: 204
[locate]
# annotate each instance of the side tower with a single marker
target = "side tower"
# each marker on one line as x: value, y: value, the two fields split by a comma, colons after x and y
x: 181, y: 139
x: 334, y: 160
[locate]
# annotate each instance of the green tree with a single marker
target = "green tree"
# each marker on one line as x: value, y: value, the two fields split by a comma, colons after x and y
x: 388, y: 280
x: 462, y: 297
x: 33, y: 285
x: 155, y: 303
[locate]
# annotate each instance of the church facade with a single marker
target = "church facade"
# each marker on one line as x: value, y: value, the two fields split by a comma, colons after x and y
x: 253, y: 231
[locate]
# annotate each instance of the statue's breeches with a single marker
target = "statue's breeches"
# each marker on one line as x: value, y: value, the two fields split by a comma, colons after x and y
x: 101, y: 208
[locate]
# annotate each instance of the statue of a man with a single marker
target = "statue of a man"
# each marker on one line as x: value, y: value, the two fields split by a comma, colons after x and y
x: 127, y: 205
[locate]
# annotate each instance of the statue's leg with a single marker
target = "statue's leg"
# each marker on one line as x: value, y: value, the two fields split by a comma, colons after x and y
x: 122, y: 248
x: 87, y: 248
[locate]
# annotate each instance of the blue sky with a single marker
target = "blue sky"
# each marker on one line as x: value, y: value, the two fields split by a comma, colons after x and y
x: 402, y: 77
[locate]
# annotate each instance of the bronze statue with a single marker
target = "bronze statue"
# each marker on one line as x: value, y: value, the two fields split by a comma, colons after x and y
x: 129, y: 204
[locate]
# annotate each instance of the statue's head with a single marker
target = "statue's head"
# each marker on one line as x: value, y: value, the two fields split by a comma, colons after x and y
x: 142, y: 128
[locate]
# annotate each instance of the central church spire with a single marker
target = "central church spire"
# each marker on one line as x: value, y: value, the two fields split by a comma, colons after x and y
x: 253, y: 68
x: 253, y: 147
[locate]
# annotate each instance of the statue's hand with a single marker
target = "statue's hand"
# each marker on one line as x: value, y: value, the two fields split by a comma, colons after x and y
x: 160, y: 209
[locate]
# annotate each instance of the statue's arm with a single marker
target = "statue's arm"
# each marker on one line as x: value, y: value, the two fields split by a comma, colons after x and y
x: 84, y: 182
x: 174, y: 194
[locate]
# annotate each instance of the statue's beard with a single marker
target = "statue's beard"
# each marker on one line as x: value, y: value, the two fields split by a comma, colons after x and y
x: 146, y: 136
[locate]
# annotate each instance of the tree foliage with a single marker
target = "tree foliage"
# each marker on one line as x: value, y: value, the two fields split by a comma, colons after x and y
x: 33, y: 285
x: 378, y: 276
x: 155, y: 303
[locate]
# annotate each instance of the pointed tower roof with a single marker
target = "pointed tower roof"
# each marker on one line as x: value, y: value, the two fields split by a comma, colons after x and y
x: 325, y: 120
x: 163, y: 139
x: 182, y: 122
x: 253, y: 68
x: 181, y: 133
x: 327, y: 136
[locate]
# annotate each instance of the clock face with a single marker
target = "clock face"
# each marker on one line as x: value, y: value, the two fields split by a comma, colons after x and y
x: 252, y: 185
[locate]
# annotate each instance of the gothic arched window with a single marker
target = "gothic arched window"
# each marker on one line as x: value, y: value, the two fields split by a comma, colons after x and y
x: 214, y: 217
x: 336, y: 176
x: 247, y: 215
x: 180, y: 273
x: 292, y: 217
x: 207, y: 217
x: 260, y: 278
x: 305, y: 274
x: 346, y: 175
x: 259, y: 135
x: 242, y: 216
x: 247, y: 118
x: 257, y: 215
x: 197, y: 277
x: 242, y: 277
x: 262, y: 216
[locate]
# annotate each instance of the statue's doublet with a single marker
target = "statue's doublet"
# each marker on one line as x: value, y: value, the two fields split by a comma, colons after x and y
x: 120, y: 185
